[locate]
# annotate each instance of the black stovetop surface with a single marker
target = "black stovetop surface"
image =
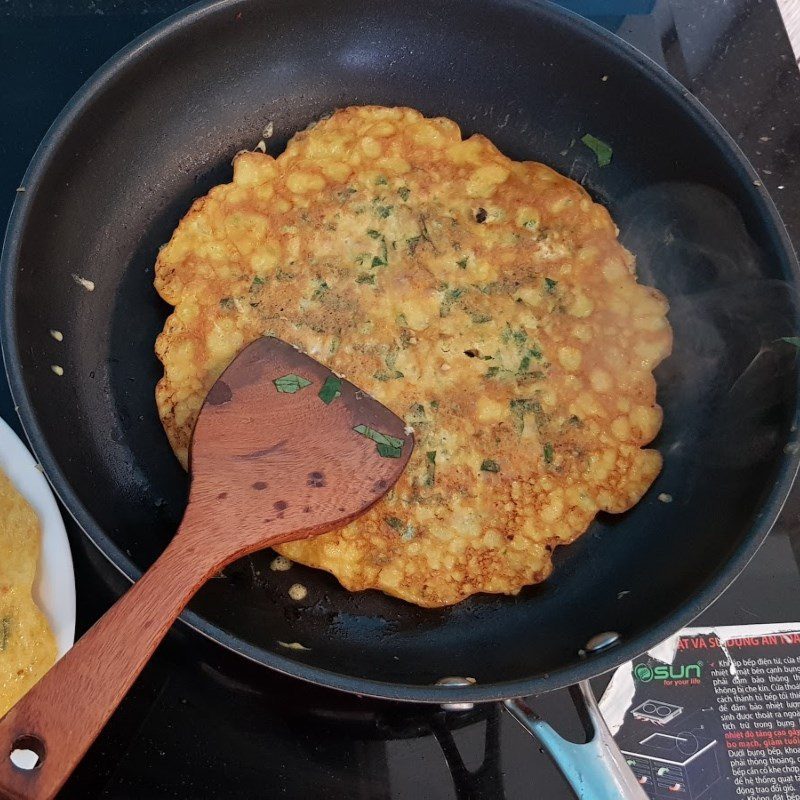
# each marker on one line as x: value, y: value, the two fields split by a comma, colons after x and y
x: 202, y: 723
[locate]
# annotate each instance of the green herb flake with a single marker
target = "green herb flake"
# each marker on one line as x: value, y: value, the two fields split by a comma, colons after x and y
x: 480, y: 319
x: 257, y: 281
x: 462, y: 263
x: 492, y: 372
x: 383, y: 259
x: 227, y: 303
x: 387, y: 451
x: 381, y: 181
x: 430, y: 468
x: 487, y: 465
x: 522, y: 406
x: 289, y: 384
x: 519, y: 337
x: 387, y: 446
x: 450, y: 297
x: 530, y: 224
x: 413, y: 243
x: 345, y: 194
x: 404, y: 192
x: 408, y: 533
x: 331, y: 389
x: 550, y: 285
x: 364, y: 278
x: 388, y: 376
x: 575, y: 422
x: 373, y: 234
x: 384, y: 211
x: 549, y: 453
x: 284, y: 276
x: 434, y: 404
x: 601, y: 150
x: 793, y: 340
x: 394, y: 522
x: 320, y: 291
x: 5, y: 632
x: 525, y: 363
x: 401, y: 320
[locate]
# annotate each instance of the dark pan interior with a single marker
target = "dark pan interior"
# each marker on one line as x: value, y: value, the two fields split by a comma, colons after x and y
x: 160, y: 127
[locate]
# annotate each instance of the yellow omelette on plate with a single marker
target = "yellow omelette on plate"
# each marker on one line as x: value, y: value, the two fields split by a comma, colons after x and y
x: 27, y: 645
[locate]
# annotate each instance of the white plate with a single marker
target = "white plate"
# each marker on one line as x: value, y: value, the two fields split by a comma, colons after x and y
x: 54, y: 588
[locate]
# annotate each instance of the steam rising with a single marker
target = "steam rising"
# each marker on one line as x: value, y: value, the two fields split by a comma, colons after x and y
x: 727, y: 386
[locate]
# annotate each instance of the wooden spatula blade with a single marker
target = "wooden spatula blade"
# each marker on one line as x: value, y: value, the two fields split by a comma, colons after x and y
x: 284, y: 447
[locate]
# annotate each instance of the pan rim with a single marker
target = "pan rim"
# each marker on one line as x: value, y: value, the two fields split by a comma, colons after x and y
x: 590, y: 667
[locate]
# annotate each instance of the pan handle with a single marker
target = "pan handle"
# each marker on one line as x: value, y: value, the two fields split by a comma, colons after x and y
x: 596, y: 770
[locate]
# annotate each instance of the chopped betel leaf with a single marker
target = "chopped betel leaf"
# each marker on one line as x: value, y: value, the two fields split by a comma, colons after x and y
x: 320, y: 291
x: 388, y: 451
x: 289, y: 384
x: 793, y: 340
x: 548, y: 452
x: 550, y: 285
x: 430, y: 468
x: 331, y: 389
x: 487, y: 465
x: 383, y: 259
x: 413, y: 243
x: 373, y: 234
x: 525, y: 363
x: 404, y: 192
x: 387, y: 446
x: 450, y: 297
x: 388, y: 376
x: 601, y: 150
x: 346, y: 194
x: 522, y: 406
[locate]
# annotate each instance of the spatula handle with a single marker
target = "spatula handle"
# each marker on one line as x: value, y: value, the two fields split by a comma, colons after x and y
x: 61, y: 716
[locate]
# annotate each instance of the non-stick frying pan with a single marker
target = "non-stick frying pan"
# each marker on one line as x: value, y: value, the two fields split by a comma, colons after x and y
x: 158, y: 126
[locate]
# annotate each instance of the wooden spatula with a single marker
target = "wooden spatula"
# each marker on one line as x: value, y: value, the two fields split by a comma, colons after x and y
x: 283, y: 449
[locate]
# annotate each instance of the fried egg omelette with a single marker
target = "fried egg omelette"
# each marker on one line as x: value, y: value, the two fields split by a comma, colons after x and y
x: 486, y: 301
x: 27, y: 646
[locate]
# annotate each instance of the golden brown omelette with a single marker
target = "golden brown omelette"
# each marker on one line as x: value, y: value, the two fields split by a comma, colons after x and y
x: 485, y: 301
x: 27, y: 646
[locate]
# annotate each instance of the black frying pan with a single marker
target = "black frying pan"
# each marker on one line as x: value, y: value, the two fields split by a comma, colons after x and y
x: 158, y: 126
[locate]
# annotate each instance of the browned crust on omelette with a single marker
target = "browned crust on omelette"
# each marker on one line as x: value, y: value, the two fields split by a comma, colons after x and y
x: 486, y: 301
